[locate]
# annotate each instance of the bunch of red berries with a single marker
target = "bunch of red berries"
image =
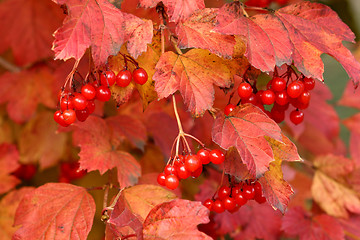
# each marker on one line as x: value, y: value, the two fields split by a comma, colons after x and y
x: 264, y: 3
x: 232, y: 198
x: 70, y: 171
x: 80, y: 104
x: 280, y: 94
x: 182, y: 167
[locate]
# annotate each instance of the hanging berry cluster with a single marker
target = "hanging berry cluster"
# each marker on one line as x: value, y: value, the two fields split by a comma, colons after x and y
x: 281, y: 92
x: 264, y: 3
x: 184, y: 166
x: 233, y: 197
x: 79, y: 102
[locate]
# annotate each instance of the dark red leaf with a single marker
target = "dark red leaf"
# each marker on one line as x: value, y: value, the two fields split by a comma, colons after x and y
x: 9, y: 157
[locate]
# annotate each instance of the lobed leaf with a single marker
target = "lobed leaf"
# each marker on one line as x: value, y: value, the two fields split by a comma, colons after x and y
x: 9, y: 157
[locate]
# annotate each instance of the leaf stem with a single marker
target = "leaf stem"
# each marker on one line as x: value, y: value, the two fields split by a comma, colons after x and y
x: 9, y: 66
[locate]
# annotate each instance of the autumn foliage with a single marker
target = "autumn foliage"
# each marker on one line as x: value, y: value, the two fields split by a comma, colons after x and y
x: 187, y: 146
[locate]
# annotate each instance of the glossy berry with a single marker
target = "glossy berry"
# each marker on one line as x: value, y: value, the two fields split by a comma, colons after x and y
x: 90, y: 107
x: 197, y: 173
x: 123, y: 78
x: 224, y: 192
x: 107, y: 78
x: 278, y: 84
x: 208, y: 203
x: 229, y: 108
x: 71, y: 170
x: 245, y: 90
x: 192, y: 163
x: 216, y: 156
x: 88, y: 91
x: 260, y: 199
x: 240, y: 199
x: 170, y: 169
x: 204, y: 156
x: 249, y: 192
x: 161, y: 179
x: 61, y: 121
x: 69, y: 116
x: 171, y: 182
x: 309, y: 83
x: 282, y: 98
x: 103, y: 93
x: 277, y: 115
x: 79, y: 101
x: 304, y: 98
x: 25, y: 171
x: 57, y: 115
x: 229, y: 203
x: 296, y: 117
x: 140, y: 76
x: 182, y: 172
x: 82, y: 115
x: 66, y: 103
x: 268, y: 97
x: 252, y: 99
x: 295, y: 89
x: 235, y: 191
x: 218, y: 206
x: 257, y: 188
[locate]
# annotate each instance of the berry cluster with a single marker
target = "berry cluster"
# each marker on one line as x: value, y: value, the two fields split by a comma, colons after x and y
x: 265, y: 3
x: 182, y: 167
x: 70, y: 171
x: 280, y: 93
x: 232, y: 198
x: 80, y: 104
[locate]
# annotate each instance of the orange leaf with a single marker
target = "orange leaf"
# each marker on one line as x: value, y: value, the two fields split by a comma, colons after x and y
x: 9, y: 157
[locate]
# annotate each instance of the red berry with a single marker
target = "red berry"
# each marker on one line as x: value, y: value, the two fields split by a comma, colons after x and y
x: 62, y: 122
x: 282, y: 108
x: 278, y: 84
x: 296, y: 117
x: 229, y: 203
x: 161, y: 179
x: 123, y: 78
x: 268, y: 97
x: 252, y: 99
x: 224, y: 192
x: 169, y: 170
x: 208, y: 203
x: 282, y: 98
x: 260, y: 199
x: 107, y: 78
x: 88, y: 91
x: 295, y: 89
x: 140, y: 76
x: 304, y: 98
x: 66, y: 103
x: 229, y: 108
x: 258, y: 3
x: 62, y: 94
x: 240, y: 199
x: 69, y: 116
x: 197, y: 173
x: 249, y: 192
x: 204, y: 156
x: 309, y: 83
x: 103, y: 94
x: 71, y: 170
x: 218, y: 206
x: 216, y: 156
x: 192, y: 163
x: 257, y: 188
x: 171, y: 182
x: 235, y: 191
x: 277, y: 115
x: 182, y: 172
x: 245, y: 90
x: 82, y: 115
x: 57, y: 115
x: 79, y: 101
x: 90, y: 107
x: 25, y: 171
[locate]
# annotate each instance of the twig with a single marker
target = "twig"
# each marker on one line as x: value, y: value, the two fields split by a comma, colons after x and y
x: 9, y: 66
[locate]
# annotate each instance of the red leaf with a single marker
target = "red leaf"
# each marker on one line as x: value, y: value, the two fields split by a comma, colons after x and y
x: 30, y: 85
x: 193, y: 74
x: 29, y: 40
x: 8, y: 205
x: 101, y: 26
x: 178, y: 10
x: 196, y: 32
x: 353, y: 124
x: 305, y: 34
x: 99, y: 151
x: 128, y: 127
x: 56, y: 211
x: 245, y: 128
x: 297, y: 222
x: 350, y: 97
x: 9, y: 157
x: 177, y: 219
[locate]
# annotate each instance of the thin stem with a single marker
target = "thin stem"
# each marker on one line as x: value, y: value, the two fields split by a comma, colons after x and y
x: 106, y: 196
x: 69, y: 77
x: 181, y: 131
x: 197, y: 140
x: 128, y: 236
x: 174, y: 42
x: 9, y: 66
